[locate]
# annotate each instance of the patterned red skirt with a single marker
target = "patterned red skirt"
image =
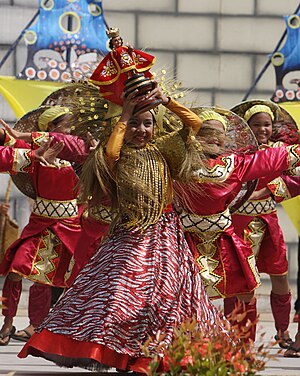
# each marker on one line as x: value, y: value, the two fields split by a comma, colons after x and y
x: 135, y: 285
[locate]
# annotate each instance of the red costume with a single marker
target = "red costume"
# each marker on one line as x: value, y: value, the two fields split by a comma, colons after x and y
x: 95, y: 224
x: 44, y: 250
x: 16, y: 160
x: 227, y: 265
x: 256, y: 222
x: 142, y: 279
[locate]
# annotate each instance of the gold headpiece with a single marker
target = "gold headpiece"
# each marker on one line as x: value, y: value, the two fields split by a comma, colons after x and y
x: 51, y: 114
x: 257, y: 109
x: 213, y: 115
x: 113, y: 32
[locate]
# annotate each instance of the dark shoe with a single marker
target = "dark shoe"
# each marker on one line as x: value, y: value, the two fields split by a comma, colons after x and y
x: 4, y: 339
x: 21, y: 337
x: 284, y: 343
x: 292, y: 352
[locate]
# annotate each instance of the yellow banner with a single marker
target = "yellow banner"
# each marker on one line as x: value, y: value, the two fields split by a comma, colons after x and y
x: 292, y: 207
x: 293, y: 108
x: 26, y: 95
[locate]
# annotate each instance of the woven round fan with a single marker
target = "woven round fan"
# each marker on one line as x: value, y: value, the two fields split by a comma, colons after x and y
x: 238, y: 139
x: 284, y: 126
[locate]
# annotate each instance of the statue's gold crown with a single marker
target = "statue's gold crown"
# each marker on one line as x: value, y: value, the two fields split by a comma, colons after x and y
x: 113, y: 32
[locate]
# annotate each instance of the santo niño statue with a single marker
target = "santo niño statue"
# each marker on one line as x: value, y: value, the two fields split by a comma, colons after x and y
x: 124, y: 69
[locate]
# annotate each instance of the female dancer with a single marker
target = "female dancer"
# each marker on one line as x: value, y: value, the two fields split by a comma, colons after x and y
x: 256, y: 220
x: 143, y: 279
x: 43, y: 252
x: 227, y: 264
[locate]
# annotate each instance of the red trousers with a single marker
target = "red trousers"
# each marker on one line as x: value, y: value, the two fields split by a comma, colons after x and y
x: 38, y: 304
x: 280, y: 305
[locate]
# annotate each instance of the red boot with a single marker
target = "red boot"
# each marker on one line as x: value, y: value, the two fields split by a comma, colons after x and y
x: 281, y: 309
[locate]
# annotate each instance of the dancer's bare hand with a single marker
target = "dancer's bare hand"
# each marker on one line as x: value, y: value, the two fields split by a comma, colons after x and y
x: 47, y: 154
x: 4, y: 209
x: 91, y: 142
x: 129, y: 104
x: 157, y: 93
x: 26, y: 136
x: 256, y: 195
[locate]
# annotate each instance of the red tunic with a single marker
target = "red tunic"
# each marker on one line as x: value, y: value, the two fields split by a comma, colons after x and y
x: 95, y: 224
x: 227, y: 264
x: 256, y: 222
x: 44, y: 250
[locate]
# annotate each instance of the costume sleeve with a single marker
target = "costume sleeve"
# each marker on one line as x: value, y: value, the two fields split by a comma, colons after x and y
x: 266, y: 164
x: 173, y: 145
x: 75, y: 148
x: 16, y: 160
x: 291, y: 186
x: 280, y: 187
x: 277, y: 182
x: 270, y: 163
x: 114, y: 143
x: 10, y: 141
x: 188, y: 117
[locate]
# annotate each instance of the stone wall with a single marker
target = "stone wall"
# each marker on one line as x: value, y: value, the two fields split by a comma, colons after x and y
x: 216, y: 48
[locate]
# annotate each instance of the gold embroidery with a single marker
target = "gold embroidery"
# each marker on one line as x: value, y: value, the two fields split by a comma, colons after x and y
x: 209, y: 278
x: 143, y: 181
x: 46, y: 255
x: 255, y: 233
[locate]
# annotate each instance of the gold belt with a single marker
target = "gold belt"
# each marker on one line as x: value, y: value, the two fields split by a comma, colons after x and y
x: 100, y: 213
x: 266, y: 206
x: 212, y: 223
x: 55, y: 209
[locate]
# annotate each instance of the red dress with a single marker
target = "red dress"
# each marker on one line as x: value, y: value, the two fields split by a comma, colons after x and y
x: 46, y: 245
x: 95, y: 224
x: 138, y: 283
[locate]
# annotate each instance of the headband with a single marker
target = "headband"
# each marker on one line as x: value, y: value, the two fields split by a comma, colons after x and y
x: 213, y: 115
x: 51, y: 114
x: 257, y: 109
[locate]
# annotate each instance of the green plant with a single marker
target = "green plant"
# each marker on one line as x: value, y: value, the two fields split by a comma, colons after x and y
x: 207, y: 352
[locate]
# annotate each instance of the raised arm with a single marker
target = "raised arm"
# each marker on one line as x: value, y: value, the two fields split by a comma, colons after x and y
x: 75, y: 149
x: 116, y: 139
x: 13, y: 160
x: 188, y: 117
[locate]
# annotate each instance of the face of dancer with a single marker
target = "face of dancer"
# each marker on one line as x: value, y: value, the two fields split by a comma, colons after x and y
x: 116, y: 42
x: 139, y: 129
x: 61, y: 124
x: 261, y: 125
x: 213, y: 134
